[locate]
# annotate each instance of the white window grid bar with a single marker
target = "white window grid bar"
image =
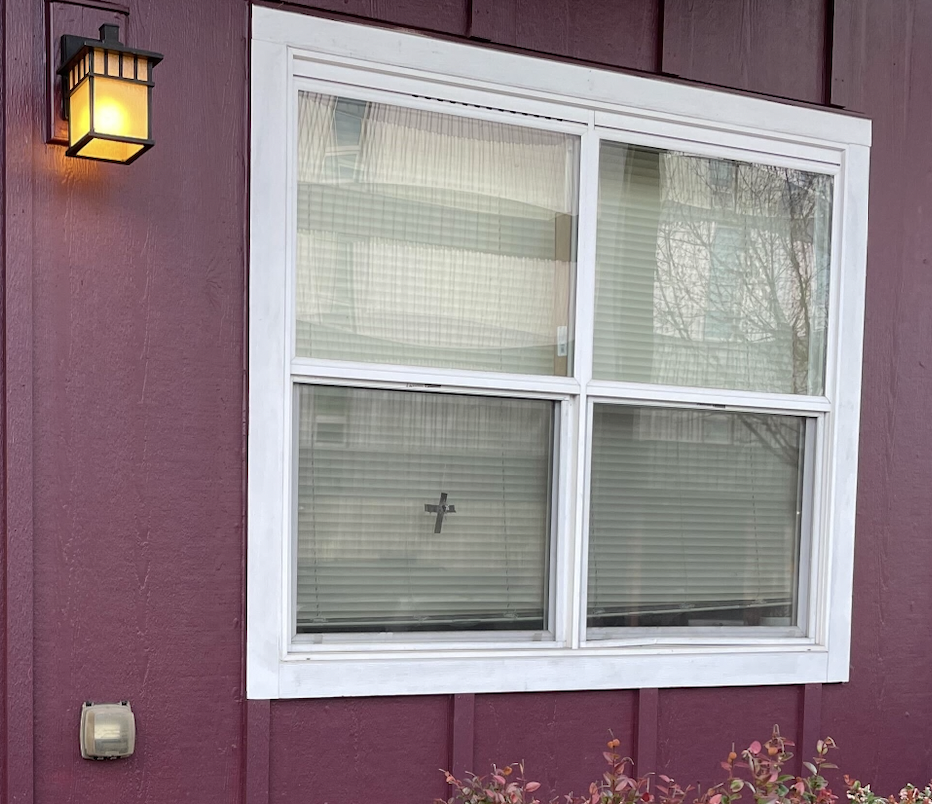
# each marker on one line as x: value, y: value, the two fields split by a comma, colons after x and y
x: 381, y: 374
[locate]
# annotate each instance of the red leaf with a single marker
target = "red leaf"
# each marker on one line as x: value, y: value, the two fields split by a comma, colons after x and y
x: 754, y: 747
x: 532, y: 786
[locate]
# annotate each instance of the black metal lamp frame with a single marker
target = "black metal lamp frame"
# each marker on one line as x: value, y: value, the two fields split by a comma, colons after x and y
x: 73, y: 51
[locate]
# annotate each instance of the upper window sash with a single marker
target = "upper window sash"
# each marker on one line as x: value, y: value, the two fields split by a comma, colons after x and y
x: 592, y: 142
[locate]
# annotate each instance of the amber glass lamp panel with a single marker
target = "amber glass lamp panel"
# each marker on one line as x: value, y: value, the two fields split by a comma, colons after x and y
x: 110, y: 108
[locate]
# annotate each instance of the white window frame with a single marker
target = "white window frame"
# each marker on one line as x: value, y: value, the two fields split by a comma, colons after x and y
x: 291, y: 51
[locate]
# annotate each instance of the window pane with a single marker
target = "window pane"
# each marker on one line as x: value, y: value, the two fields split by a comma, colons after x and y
x: 694, y: 517
x: 432, y: 239
x: 372, y: 558
x: 711, y: 272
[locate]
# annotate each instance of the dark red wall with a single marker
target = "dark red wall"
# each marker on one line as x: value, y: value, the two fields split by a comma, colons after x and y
x: 123, y: 427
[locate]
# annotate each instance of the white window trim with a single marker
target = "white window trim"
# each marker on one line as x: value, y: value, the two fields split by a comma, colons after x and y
x: 288, y: 48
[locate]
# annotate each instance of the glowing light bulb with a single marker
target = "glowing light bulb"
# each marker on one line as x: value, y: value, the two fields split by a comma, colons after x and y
x: 110, y: 117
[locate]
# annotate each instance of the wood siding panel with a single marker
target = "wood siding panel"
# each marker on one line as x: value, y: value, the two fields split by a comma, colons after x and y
x: 603, y: 31
x: 778, y: 48
x: 139, y: 339
x: 443, y: 16
x: 849, y: 55
x: 647, y: 719
x: 21, y: 84
x: 698, y: 727
x: 355, y: 750
x: 463, y: 735
x: 883, y: 717
x: 560, y: 736
x: 124, y: 413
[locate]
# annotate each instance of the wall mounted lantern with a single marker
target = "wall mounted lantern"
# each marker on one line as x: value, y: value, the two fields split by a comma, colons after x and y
x: 107, y: 96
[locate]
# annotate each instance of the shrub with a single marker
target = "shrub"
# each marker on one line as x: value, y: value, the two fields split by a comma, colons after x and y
x: 756, y: 775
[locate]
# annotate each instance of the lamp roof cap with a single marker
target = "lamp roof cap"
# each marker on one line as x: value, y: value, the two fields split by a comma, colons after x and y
x: 73, y: 48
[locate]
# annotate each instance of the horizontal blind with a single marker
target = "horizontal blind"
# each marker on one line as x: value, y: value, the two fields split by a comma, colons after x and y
x: 710, y: 272
x: 368, y: 556
x: 433, y: 239
x: 693, y: 512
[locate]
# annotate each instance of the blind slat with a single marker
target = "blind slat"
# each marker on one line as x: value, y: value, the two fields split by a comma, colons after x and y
x: 692, y: 511
x: 710, y: 273
x: 433, y: 240
x: 367, y: 554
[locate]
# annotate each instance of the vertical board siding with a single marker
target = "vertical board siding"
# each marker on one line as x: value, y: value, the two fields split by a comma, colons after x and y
x: 698, y: 727
x: 849, y: 42
x: 360, y: 750
x: 560, y: 737
x: 256, y: 760
x: 463, y: 735
x: 778, y: 48
x: 648, y: 721
x: 123, y: 444
x: 20, y: 96
x: 443, y: 16
x: 139, y: 338
x: 883, y: 718
x: 603, y: 31
x: 810, y: 721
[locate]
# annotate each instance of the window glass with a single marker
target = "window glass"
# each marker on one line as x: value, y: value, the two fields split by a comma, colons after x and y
x: 433, y: 239
x: 694, y: 517
x: 422, y: 511
x: 710, y: 272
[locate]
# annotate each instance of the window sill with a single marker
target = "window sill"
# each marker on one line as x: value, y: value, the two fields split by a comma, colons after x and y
x: 437, y: 672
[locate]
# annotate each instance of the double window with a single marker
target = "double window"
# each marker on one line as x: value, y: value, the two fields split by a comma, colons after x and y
x: 546, y: 391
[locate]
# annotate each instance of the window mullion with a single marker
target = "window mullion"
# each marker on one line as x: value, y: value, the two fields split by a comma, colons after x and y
x: 585, y: 314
